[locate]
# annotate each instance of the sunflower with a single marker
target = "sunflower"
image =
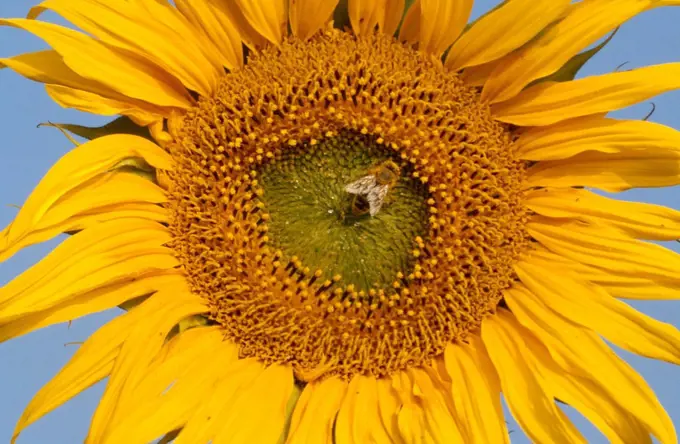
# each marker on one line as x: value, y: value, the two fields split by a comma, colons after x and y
x: 349, y: 221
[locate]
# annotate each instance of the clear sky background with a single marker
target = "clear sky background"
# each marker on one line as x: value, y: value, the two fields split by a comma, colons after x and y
x: 28, y: 152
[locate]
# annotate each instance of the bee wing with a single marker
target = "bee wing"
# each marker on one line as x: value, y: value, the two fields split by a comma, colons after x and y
x: 376, y: 198
x: 361, y: 186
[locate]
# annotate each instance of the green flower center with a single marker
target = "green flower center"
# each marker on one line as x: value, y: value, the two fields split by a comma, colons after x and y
x: 314, y: 218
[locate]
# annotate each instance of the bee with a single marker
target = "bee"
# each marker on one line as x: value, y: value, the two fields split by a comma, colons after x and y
x: 371, y: 190
x: 360, y: 205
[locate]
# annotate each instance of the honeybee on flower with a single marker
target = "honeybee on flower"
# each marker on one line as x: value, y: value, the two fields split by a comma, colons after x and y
x: 371, y: 190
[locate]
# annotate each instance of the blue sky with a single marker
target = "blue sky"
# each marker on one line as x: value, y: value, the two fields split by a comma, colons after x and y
x: 28, y: 152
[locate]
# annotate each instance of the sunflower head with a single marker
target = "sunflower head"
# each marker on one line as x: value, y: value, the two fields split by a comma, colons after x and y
x: 349, y: 221
x: 344, y: 202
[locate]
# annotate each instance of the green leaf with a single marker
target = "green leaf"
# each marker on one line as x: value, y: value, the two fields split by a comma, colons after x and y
x: 121, y: 125
x: 573, y: 66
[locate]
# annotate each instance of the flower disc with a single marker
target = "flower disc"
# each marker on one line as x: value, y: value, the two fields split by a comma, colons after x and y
x: 314, y: 218
x: 262, y: 224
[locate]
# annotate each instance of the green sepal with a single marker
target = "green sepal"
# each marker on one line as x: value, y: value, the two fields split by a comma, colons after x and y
x: 185, y: 324
x: 138, y: 166
x: 290, y: 408
x: 407, y: 6
x: 341, y: 15
x: 569, y: 70
x: 192, y: 322
x: 120, y: 125
x: 132, y: 303
x: 169, y: 437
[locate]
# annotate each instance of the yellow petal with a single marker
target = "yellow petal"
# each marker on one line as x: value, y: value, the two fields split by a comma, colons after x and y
x: 77, y: 207
x: 527, y: 394
x: 411, y: 422
x: 425, y: 411
x: 153, y: 31
x: 606, y: 249
x: 358, y: 418
x: 594, y: 133
x: 550, y: 102
x: 207, y: 421
x: 179, y: 358
x: 150, y: 417
x: 93, y: 361
x: 268, y: 18
x: 160, y: 313
x: 309, y: 16
x: 590, y: 306
x: 258, y: 413
x: 314, y: 414
x: 583, y: 355
x: 217, y: 28
x: 503, y: 30
x: 585, y: 23
x: 628, y: 287
x: 94, y: 301
x: 364, y: 15
x: 589, y: 399
x: 476, y: 393
x: 102, y: 191
x: 112, y: 67
x: 96, y: 104
x: 410, y: 27
x: 48, y: 67
x: 87, y: 219
x: 646, y: 167
x: 175, y: 360
x: 639, y: 220
x: 478, y: 75
x: 389, y: 405
x: 79, y: 166
x: 617, y: 283
x: 440, y: 424
x: 441, y: 22
x: 394, y: 11
x: 249, y: 35
x: 187, y: 37
x: 105, y: 254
